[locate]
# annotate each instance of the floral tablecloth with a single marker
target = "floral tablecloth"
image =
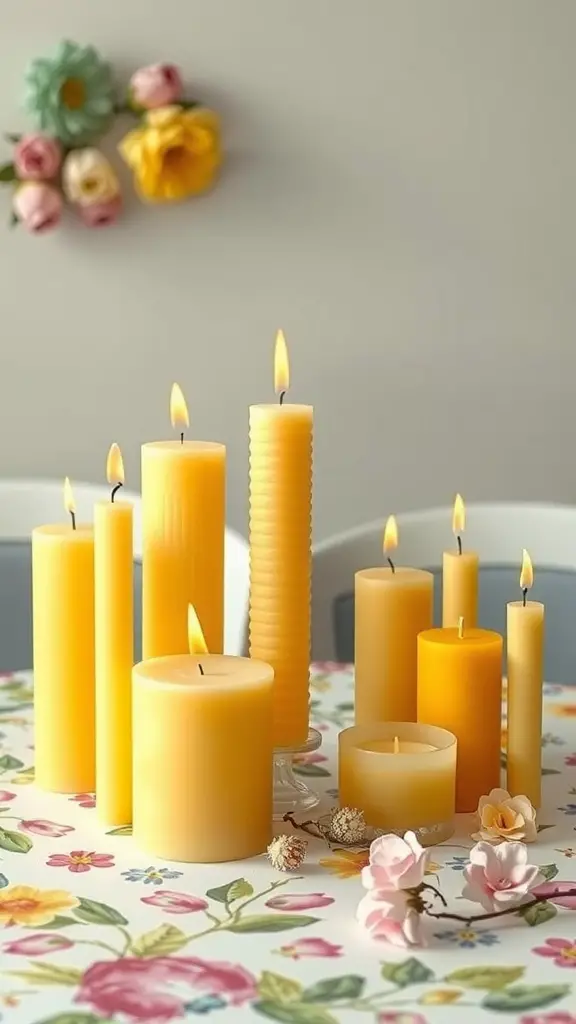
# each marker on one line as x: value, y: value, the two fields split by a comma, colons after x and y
x: 93, y: 932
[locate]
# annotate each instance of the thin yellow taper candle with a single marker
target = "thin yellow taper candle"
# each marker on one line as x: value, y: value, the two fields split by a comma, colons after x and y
x: 63, y: 617
x: 114, y: 608
x: 459, y: 576
x: 525, y: 653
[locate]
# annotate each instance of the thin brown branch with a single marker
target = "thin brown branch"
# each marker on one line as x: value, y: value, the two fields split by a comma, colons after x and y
x: 518, y: 908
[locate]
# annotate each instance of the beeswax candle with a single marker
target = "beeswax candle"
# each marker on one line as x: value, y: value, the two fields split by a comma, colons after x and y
x: 459, y: 576
x: 525, y: 651
x: 63, y: 617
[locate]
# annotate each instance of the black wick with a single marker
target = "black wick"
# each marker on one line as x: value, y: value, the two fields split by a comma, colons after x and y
x: 524, y: 594
x: 73, y: 518
x: 391, y: 563
x: 281, y: 398
x: 182, y: 438
x: 459, y: 542
x: 200, y: 669
x: 115, y: 490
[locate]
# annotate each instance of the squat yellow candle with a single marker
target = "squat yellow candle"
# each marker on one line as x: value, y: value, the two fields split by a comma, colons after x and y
x: 280, y: 550
x: 63, y: 616
x: 459, y: 576
x: 202, y: 755
x: 183, y: 522
x: 114, y: 605
x: 392, y: 605
x: 525, y: 651
x: 460, y: 689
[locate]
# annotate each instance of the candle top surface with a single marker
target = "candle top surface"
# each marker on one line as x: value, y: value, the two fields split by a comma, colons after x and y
x: 185, y: 447
x: 450, y: 635
x: 376, y: 746
x: 402, y: 574
x: 221, y: 672
x: 412, y: 737
x: 530, y: 606
x: 286, y: 409
x: 118, y: 503
x: 464, y: 554
x: 65, y: 531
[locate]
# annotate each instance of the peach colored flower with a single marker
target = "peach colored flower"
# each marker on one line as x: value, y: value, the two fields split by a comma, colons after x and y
x: 502, y: 816
x: 395, y: 863
x: 500, y: 876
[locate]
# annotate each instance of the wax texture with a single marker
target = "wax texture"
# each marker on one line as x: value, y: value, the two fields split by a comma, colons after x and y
x: 525, y: 668
x: 460, y: 588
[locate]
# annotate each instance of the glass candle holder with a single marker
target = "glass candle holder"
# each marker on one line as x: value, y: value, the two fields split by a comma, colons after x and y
x: 402, y: 775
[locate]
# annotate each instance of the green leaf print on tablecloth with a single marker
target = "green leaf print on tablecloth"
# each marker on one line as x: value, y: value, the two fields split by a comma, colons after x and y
x: 525, y: 997
x: 161, y: 941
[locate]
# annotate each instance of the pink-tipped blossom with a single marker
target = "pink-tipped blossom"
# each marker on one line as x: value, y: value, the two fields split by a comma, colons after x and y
x: 101, y: 215
x: 395, y: 863
x: 37, y: 945
x: 157, y: 85
x: 499, y: 877
x: 41, y: 827
x: 299, y: 901
x: 37, y: 206
x: 391, y: 917
x: 175, y: 902
x: 37, y: 158
x: 310, y: 947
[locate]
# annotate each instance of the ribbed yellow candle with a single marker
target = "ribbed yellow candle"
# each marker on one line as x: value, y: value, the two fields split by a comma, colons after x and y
x: 280, y: 556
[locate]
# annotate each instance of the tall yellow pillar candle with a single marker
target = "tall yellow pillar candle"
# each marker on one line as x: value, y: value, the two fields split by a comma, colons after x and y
x: 459, y: 576
x: 114, y: 607
x: 202, y: 756
x: 392, y: 605
x: 280, y: 551
x: 63, y: 617
x: 183, y: 523
x: 525, y: 654
x: 460, y: 689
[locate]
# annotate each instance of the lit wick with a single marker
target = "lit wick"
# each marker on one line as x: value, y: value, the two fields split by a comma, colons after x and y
x: 459, y: 542
x: 115, y: 470
x: 200, y: 669
x: 281, y: 398
x: 73, y: 518
x: 69, y: 503
x: 524, y: 596
x: 179, y: 411
x: 461, y: 628
x: 391, y: 563
x: 526, y: 576
x: 115, y: 490
x: 458, y: 520
x: 396, y: 745
x: 390, y: 540
x: 281, y: 367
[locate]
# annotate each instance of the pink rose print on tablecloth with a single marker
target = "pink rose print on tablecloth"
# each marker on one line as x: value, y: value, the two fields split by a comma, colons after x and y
x: 400, y: 1017
x: 558, y: 1017
x: 80, y: 860
x: 570, y: 760
x: 156, y: 989
x: 310, y: 947
x: 562, y: 951
x: 175, y: 902
x: 6, y: 796
x: 84, y: 799
x: 37, y: 945
x: 300, y: 901
x: 41, y: 827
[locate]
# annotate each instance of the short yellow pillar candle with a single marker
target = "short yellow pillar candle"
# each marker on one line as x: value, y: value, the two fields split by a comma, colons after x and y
x: 63, y: 617
x: 114, y: 607
x: 202, y: 755
x: 525, y: 654
x: 402, y: 775
x: 459, y: 576
x: 460, y: 689
x: 392, y: 605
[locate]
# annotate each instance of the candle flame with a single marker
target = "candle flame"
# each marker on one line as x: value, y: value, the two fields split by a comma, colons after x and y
x: 458, y: 515
x: 461, y: 628
x: 196, y: 641
x: 69, y: 503
x: 115, y: 465
x: 396, y: 745
x: 281, y: 364
x: 526, y: 573
x: 178, y: 408
x: 390, y: 535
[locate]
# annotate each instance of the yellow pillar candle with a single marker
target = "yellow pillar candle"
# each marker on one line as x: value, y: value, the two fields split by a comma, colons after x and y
x: 525, y: 652
x: 183, y: 523
x: 402, y: 775
x: 460, y: 689
x: 392, y: 605
x: 202, y: 755
x: 459, y: 576
x: 63, y: 617
x: 114, y: 607
x: 280, y: 551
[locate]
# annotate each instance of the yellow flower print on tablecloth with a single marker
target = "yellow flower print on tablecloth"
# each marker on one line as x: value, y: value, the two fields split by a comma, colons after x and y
x: 346, y: 863
x: 561, y: 710
x: 25, y: 905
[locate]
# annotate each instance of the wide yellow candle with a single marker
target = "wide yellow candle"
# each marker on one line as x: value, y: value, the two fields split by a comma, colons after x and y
x: 525, y: 656
x: 459, y: 576
x: 202, y: 757
x: 280, y: 551
x: 183, y: 523
x: 402, y: 775
x: 114, y: 607
x: 460, y: 689
x: 392, y: 605
x: 63, y: 617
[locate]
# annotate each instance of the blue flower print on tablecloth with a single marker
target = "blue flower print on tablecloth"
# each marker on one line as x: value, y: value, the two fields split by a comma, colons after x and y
x: 151, y: 875
x: 468, y: 938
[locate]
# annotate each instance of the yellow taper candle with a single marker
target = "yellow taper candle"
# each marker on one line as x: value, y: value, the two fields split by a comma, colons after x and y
x: 392, y: 605
x: 280, y: 550
x: 183, y: 523
x: 459, y: 576
x: 114, y: 607
x: 63, y: 616
x: 525, y: 653
x: 202, y: 755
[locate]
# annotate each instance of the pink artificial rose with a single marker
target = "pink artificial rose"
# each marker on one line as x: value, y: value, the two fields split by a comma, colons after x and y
x: 37, y: 206
x: 395, y: 863
x: 400, y: 1017
x: 37, y: 158
x: 300, y: 901
x: 498, y: 877
x: 157, y: 85
x: 101, y: 215
x: 310, y: 947
x: 555, y: 892
x: 556, y: 1017
x: 175, y: 902
x: 37, y: 945
x: 5, y: 796
x: 390, y: 917
x: 41, y: 827
x: 155, y: 988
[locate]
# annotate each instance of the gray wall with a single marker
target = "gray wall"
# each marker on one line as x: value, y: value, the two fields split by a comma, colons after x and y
x: 399, y: 196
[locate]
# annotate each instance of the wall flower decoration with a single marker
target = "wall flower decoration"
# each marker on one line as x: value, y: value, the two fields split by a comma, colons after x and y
x: 174, y: 152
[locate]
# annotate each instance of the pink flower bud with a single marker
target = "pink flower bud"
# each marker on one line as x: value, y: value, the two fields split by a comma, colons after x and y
x: 157, y: 85
x: 37, y: 158
x: 38, y: 207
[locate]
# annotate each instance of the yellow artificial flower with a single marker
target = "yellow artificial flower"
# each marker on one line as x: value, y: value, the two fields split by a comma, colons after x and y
x: 22, y: 904
x: 440, y: 997
x: 346, y: 863
x: 174, y: 154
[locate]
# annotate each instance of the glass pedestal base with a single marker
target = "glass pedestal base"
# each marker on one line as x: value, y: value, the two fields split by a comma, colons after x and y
x: 291, y: 793
x: 427, y: 835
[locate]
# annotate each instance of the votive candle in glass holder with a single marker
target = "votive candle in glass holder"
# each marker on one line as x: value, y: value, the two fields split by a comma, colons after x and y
x: 402, y: 775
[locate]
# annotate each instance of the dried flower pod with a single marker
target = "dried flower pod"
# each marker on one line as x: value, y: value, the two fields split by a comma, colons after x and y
x: 347, y: 825
x: 286, y: 853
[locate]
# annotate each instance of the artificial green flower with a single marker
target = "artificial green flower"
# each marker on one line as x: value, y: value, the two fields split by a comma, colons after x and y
x: 71, y: 95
